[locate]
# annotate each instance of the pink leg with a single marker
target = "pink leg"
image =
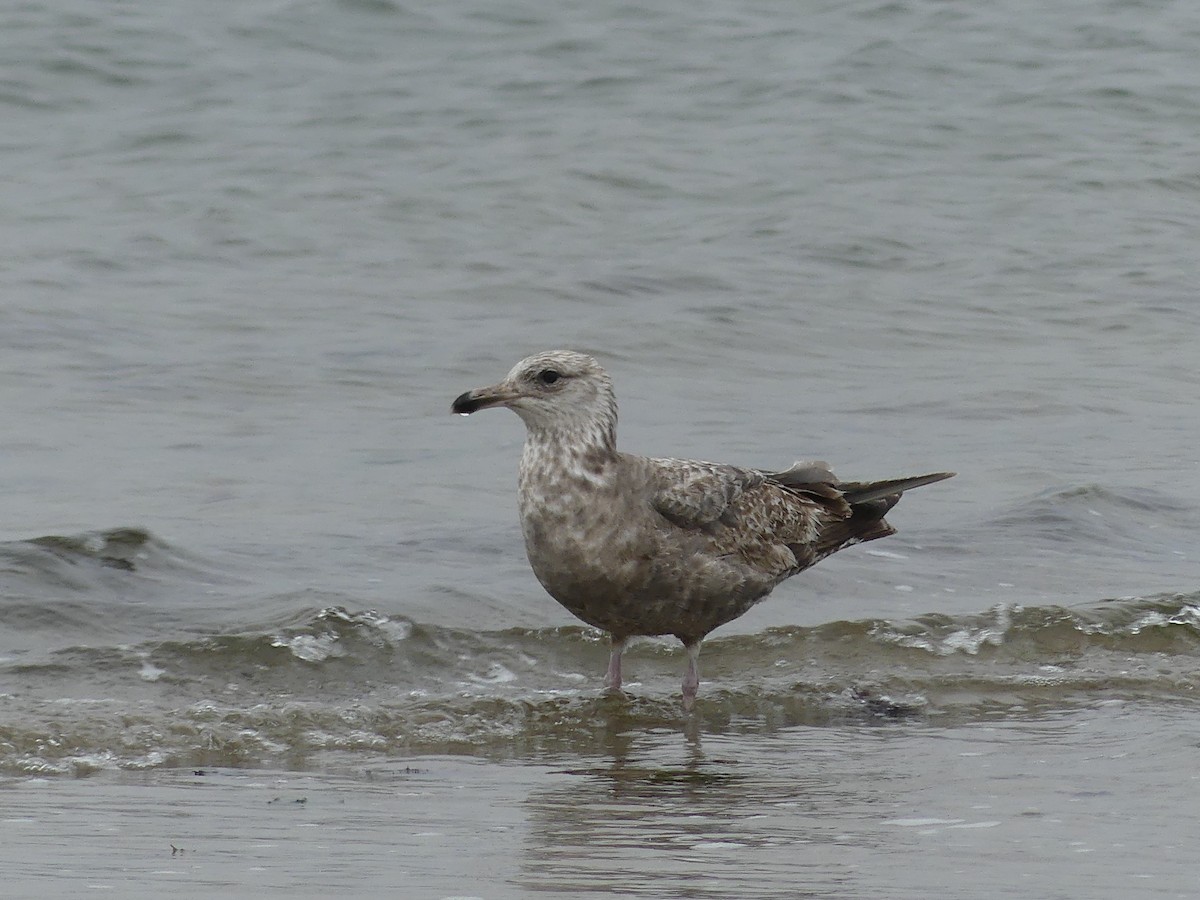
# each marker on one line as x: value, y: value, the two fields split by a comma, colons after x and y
x: 691, y: 678
x: 612, y: 679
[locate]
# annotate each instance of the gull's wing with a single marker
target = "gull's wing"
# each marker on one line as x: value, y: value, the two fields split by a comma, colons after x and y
x: 773, y: 522
x: 778, y: 522
x: 694, y: 494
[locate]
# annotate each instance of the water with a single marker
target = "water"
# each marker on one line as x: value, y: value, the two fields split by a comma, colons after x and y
x: 253, y: 253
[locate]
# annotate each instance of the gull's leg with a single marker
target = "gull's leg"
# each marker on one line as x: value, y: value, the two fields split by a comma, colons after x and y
x: 612, y: 678
x: 691, y: 677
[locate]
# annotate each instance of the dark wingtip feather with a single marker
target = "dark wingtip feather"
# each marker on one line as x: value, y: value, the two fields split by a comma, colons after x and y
x: 864, y: 492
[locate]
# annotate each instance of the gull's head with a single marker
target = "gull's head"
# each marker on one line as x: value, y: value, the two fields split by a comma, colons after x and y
x: 554, y: 390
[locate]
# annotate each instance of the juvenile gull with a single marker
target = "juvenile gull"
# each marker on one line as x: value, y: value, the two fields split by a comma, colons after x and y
x: 639, y: 546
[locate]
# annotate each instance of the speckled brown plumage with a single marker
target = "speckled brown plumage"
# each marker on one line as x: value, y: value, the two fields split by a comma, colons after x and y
x: 640, y: 546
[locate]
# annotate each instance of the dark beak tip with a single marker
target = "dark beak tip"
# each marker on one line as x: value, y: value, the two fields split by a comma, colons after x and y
x: 464, y: 404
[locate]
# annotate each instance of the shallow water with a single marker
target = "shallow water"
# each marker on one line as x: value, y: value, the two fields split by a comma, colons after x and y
x: 1060, y: 805
x: 253, y: 254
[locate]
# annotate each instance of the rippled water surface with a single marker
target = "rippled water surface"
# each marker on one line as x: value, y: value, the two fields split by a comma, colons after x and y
x: 266, y: 624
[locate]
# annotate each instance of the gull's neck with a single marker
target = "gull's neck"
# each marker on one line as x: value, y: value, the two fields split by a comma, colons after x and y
x: 575, y: 447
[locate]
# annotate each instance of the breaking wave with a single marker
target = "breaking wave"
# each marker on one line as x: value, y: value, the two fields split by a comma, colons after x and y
x: 342, y: 681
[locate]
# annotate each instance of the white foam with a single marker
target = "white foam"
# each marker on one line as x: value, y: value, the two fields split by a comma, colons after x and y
x: 151, y: 672
x: 496, y: 674
x: 311, y: 648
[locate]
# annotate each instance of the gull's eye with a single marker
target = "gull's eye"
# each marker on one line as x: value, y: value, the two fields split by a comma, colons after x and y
x: 548, y: 376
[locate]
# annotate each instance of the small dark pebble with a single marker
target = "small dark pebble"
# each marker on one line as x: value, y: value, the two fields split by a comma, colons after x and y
x: 885, y: 707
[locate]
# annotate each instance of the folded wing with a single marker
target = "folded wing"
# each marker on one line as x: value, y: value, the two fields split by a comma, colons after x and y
x: 778, y: 522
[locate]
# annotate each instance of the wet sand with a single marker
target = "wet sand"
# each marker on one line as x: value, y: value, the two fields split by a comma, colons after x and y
x: 1062, y: 806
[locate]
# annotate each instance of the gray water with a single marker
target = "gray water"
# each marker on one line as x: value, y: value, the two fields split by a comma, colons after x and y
x: 253, y: 251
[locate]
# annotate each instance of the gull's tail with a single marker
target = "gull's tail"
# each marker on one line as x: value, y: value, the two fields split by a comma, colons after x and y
x: 868, y: 503
x: 871, y: 501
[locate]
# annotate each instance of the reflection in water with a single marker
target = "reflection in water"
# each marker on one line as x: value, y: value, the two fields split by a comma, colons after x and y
x: 897, y: 810
x: 686, y: 819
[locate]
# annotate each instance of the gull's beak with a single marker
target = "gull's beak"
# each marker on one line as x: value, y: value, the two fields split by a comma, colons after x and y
x: 481, y: 398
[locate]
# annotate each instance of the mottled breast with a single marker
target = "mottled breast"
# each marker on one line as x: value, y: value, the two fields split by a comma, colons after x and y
x: 603, y: 552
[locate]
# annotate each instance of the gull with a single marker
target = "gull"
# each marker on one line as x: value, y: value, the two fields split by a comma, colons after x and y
x: 643, y: 546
